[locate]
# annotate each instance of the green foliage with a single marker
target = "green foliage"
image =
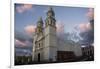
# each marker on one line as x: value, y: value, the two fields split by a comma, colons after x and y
x: 22, y: 60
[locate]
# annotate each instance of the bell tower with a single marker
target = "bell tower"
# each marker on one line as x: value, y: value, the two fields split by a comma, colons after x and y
x: 38, y: 42
x: 39, y: 28
x: 50, y: 20
x: 50, y: 51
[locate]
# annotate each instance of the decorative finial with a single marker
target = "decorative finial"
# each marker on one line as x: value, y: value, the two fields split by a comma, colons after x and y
x: 40, y: 17
x: 50, y: 12
x: 50, y: 8
x: 40, y: 20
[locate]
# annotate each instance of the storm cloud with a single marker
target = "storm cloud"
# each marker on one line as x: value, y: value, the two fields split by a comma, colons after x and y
x: 23, y: 43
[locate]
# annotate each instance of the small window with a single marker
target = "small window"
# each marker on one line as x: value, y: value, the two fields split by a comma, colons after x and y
x: 39, y: 45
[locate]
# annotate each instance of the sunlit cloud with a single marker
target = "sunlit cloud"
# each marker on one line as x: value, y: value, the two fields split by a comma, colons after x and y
x: 83, y: 27
x: 19, y: 43
x: 23, y: 8
x: 29, y: 29
x: 60, y: 27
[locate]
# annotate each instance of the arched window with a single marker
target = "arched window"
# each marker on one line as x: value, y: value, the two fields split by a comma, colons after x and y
x: 39, y: 45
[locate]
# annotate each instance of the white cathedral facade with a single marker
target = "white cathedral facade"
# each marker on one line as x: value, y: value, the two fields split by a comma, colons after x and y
x: 46, y: 45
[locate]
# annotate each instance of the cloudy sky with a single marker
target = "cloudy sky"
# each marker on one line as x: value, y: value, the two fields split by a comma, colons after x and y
x: 69, y: 20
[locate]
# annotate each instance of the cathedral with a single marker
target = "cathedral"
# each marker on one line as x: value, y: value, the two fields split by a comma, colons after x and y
x: 47, y: 47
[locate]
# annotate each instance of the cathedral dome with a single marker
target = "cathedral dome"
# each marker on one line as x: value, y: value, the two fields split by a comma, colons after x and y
x: 50, y: 12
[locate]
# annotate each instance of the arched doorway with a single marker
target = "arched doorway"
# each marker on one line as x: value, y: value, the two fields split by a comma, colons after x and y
x: 38, y: 57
